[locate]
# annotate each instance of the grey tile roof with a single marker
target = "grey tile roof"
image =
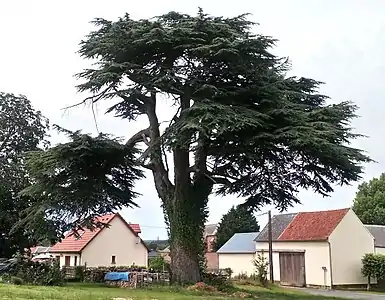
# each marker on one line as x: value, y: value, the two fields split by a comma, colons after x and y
x: 378, y: 232
x: 153, y: 253
x: 240, y: 243
x: 278, y: 225
x: 210, y: 229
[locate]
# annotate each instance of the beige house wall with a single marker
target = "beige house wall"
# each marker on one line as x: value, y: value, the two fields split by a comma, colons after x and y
x: 116, y: 240
x: 72, y: 258
x: 240, y: 263
x: 316, y: 257
x: 349, y: 242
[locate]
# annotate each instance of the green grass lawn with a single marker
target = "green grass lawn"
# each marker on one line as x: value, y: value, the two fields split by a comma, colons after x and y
x: 83, y: 292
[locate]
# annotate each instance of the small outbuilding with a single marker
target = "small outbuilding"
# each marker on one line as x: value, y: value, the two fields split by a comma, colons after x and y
x: 238, y: 253
x: 378, y: 232
x: 321, y: 248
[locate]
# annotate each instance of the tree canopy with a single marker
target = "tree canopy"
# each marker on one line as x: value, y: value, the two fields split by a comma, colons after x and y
x: 241, y: 126
x: 22, y: 129
x: 237, y: 220
x: 369, y: 203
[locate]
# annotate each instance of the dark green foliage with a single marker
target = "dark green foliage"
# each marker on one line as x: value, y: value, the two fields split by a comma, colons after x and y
x: 81, y: 179
x: 241, y: 127
x: 373, y: 266
x: 38, y: 273
x: 79, y: 273
x: 369, y: 203
x: 236, y: 220
x: 158, y: 264
x: 221, y: 282
x: 22, y: 129
x: 16, y: 280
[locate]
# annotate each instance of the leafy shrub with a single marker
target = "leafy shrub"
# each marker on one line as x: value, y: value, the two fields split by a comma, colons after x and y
x: 373, y: 266
x: 228, y: 271
x: 158, y: 264
x: 16, y: 280
x: 79, y: 273
x: 37, y: 273
x: 261, y: 264
x: 220, y: 282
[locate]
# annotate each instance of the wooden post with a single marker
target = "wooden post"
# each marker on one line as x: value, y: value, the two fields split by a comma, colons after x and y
x: 270, y: 233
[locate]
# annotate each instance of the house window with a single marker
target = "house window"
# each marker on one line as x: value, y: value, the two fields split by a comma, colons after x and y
x: 67, y: 261
x: 75, y: 261
x: 113, y: 260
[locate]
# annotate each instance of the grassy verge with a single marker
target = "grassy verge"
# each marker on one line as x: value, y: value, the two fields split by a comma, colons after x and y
x: 86, y: 291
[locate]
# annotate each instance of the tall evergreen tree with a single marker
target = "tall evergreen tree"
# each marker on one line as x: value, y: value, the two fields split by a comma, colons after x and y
x: 236, y: 220
x: 22, y: 128
x: 241, y: 127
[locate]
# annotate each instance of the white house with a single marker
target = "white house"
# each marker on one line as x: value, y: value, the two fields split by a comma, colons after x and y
x: 238, y: 253
x: 118, y: 244
x: 322, y: 248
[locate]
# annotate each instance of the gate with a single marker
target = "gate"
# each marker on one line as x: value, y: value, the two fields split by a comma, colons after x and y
x: 292, y: 268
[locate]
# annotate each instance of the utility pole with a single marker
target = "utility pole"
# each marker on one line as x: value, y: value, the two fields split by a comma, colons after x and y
x: 270, y: 237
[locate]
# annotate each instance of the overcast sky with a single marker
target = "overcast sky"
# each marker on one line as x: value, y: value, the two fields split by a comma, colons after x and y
x: 339, y: 42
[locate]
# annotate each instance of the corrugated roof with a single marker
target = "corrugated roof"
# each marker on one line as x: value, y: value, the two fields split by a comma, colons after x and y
x: 378, y: 232
x: 240, y: 243
x: 313, y: 226
x: 39, y: 249
x: 72, y: 243
x: 278, y: 225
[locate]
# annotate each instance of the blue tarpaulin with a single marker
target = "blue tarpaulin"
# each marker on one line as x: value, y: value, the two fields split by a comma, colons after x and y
x: 117, y: 276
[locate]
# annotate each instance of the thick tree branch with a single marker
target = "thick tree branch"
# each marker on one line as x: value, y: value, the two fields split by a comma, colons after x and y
x: 181, y: 157
x: 140, y: 136
x: 161, y: 177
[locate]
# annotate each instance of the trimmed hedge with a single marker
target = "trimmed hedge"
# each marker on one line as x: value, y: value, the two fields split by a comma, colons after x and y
x: 373, y: 266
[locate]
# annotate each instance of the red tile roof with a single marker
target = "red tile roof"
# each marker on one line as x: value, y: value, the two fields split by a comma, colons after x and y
x: 313, y: 226
x: 71, y: 243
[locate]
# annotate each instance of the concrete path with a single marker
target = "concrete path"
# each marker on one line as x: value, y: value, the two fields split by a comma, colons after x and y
x: 345, y: 294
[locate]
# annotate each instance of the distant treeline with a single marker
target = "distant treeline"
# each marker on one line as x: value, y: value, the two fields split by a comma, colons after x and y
x: 156, y: 244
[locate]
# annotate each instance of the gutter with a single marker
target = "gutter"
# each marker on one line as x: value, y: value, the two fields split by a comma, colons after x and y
x: 330, y: 263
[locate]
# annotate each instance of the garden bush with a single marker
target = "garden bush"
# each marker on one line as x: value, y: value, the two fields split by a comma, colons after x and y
x: 16, y: 280
x: 373, y: 266
x: 36, y: 273
x: 158, y: 264
x: 220, y: 282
